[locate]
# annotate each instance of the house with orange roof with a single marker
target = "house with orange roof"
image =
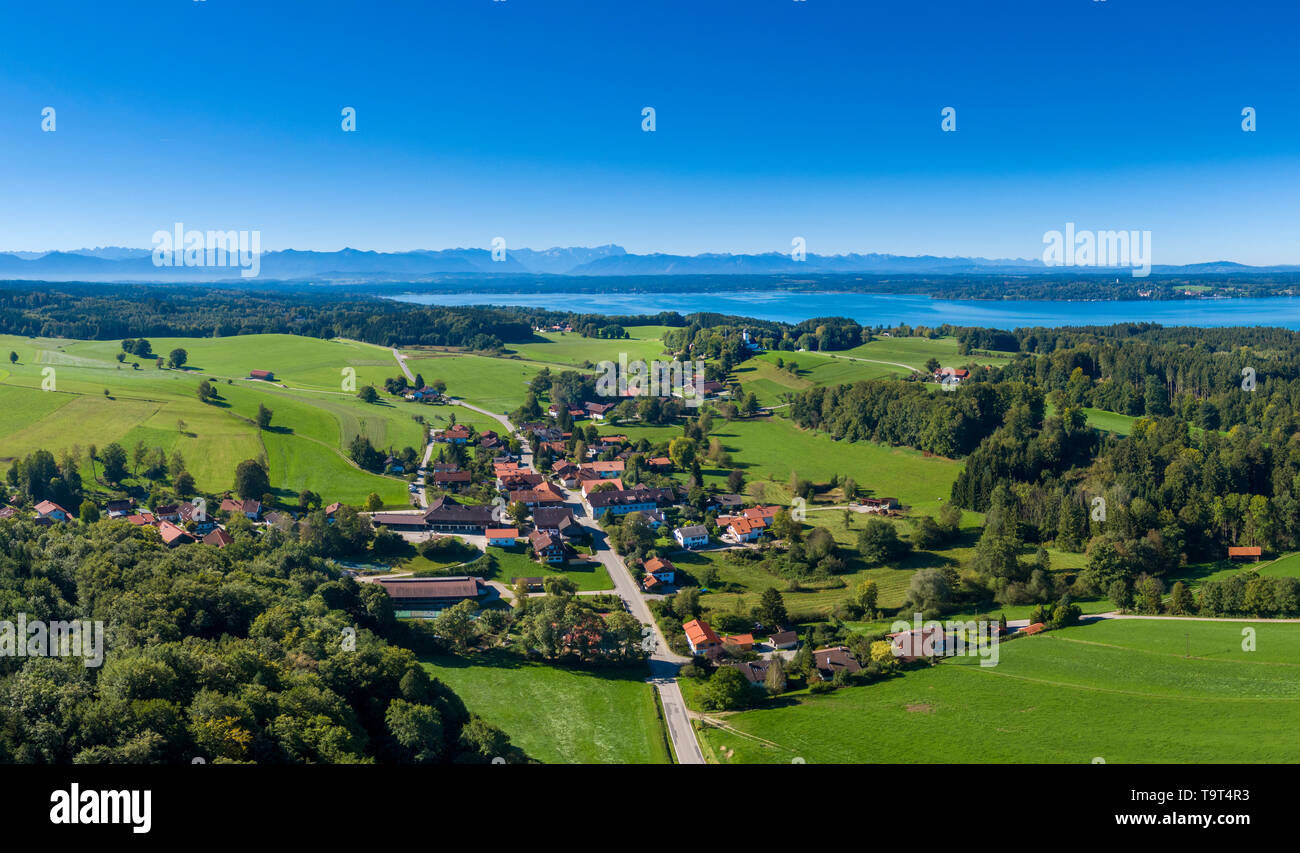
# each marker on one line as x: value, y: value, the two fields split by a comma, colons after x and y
x: 744, y: 642
x: 659, y: 571
x: 502, y: 537
x: 701, y: 637
x: 745, y: 530
x: 1245, y: 552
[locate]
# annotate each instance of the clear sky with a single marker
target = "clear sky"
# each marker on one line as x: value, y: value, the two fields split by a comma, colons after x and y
x: 775, y: 119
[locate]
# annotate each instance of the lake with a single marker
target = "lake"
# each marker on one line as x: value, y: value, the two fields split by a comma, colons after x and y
x: 891, y: 309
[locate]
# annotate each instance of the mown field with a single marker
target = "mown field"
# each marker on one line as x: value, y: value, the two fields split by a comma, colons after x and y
x: 561, y: 716
x: 568, y: 349
x: 1121, y: 690
x: 770, y: 448
x: 97, y: 400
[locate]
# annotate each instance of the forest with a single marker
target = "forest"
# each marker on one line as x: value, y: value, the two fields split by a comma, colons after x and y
x: 254, y: 653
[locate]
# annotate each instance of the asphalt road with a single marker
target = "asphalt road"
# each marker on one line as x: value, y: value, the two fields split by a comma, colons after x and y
x: 664, y: 663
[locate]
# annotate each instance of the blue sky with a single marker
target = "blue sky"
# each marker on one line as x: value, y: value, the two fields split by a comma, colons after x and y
x: 775, y: 119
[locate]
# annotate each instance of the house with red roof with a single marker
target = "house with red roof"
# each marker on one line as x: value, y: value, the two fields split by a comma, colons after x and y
x: 218, y: 537
x: 173, y: 534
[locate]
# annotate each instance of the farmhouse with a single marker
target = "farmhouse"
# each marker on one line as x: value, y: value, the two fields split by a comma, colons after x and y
x: 919, y: 643
x: 173, y: 535
x: 597, y: 411
x: 189, y: 515
x: 264, y: 375
x: 589, y: 486
x: 543, y: 495
x: 457, y: 434
x: 832, y: 660
x: 168, y: 512
x: 694, y: 536
x: 1245, y: 552
x: 558, y: 520
x: 512, y: 481
x: 249, y: 508
x: 452, y: 480
x: 218, y: 537
x: 49, y: 511
x: 431, y: 593
x: 547, y: 548
x: 659, y: 570
x: 447, y: 516
x: 743, y: 530
x: 119, y: 508
x: 755, y: 671
x: 701, y: 638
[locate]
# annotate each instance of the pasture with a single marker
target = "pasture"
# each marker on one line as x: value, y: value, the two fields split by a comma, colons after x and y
x: 557, y: 715
x: 1121, y: 690
x: 97, y: 400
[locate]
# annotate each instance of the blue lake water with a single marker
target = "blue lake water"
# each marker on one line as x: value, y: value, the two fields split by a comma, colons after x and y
x: 892, y: 309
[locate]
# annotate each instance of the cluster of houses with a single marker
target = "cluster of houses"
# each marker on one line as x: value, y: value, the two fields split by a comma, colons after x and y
x: 553, y: 524
x: 748, y: 524
x: 704, y: 641
x: 180, y: 523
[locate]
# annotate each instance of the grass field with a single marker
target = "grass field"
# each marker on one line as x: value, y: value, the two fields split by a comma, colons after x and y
x: 567, y: 349
x: 761, y: 375
x: 1110, y: 421
x: 561, y: 715
x: 915, y: 352
x: 514, y: 563
x: 1120, y: 690
x: 305, y: 448
x: 773, y: 447
x: 496, y: 384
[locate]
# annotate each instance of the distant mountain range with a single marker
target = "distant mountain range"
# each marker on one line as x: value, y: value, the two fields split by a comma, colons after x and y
x: 112, y: 263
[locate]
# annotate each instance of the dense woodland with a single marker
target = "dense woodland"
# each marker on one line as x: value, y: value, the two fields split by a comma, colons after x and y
x: 257, y: 652
x: 1213, y: 460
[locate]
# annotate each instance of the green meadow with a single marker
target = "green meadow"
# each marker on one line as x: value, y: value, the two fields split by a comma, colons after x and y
x: 561, y: 716
x: 571, y: 350
x: 97, y: 400
x: 1123, y: 691
x: 496, y: 384
x: 769, y: 448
